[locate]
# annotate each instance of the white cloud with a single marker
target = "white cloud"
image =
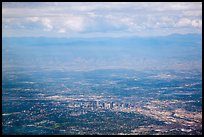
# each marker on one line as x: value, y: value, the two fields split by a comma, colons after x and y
x: 62, y: 30
x: 94, y: 17
x: 193, y: 13
x: 74, y: 23
x: 47, y: 23
x: 33, y: 19
x: 184, y: 22
x: 196, y: 23
x: 188, y: 22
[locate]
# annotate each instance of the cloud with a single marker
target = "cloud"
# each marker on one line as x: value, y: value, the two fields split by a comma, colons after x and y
x: 61, y: 24
x: 90, y: 18
x: 74, y: 23
x: 184, y: 22
x: 196, y: 23
x: 62, y: 30
x: 33, y: 19
x: 188, y: 22
x: 47, y: 23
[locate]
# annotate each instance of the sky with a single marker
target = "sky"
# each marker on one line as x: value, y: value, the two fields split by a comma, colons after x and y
x: 100, y: 19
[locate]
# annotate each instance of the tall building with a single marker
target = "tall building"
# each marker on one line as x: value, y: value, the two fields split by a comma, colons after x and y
x: 111, y: 105
x: 97, y: 104
x: 107, y: 105
x: 103, y: 105
x: 94, y: 104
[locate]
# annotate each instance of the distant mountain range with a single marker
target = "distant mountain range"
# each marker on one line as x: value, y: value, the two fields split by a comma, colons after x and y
x: 167, y: 52
x: 175, y: 39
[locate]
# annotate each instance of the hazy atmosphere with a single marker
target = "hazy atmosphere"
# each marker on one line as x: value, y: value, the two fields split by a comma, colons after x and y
x: 102, y: 68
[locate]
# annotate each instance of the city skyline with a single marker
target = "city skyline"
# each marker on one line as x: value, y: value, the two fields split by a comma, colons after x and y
x: 98, y: 68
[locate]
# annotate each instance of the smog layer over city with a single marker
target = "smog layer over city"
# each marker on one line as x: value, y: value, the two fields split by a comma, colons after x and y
x: 103, y: 68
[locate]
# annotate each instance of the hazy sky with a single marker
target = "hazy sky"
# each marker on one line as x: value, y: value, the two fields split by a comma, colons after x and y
x: 84, y: 19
